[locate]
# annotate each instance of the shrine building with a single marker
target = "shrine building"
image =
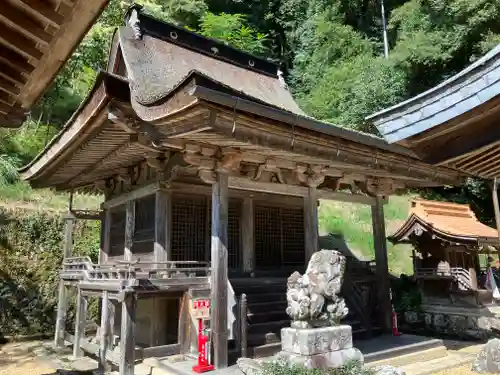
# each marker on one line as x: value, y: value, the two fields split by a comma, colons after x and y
x: 211, y: 176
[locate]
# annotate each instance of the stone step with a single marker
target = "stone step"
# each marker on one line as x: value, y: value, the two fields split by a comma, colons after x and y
x: 439, y: 364
x: 404, y: 353
x: 415, y: 357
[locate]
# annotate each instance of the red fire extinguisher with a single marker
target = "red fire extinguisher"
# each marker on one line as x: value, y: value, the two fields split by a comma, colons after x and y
x: 204, y: 351
x: 395, y: 331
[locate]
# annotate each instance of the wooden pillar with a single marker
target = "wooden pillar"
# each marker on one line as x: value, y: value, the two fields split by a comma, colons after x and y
x: 105, y: 237
x: 127, y: 337
x: 103, y: 337
x: 311, y: 234
x: 80, y: 321
x: 62, y: 303
x: 496, y: 207
x: 248, y: 235
x: 163, y: 225
x: 129, y: 229
x: 219, y: 256
x: 382, y: 266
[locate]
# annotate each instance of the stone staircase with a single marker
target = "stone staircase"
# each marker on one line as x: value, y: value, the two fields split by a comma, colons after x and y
x: 266, y: 316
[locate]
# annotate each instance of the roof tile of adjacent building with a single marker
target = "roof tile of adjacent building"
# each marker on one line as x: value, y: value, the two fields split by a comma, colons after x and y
x: 457, y: 95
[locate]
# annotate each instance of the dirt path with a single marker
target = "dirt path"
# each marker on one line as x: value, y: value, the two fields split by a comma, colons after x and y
x: 19, y: 359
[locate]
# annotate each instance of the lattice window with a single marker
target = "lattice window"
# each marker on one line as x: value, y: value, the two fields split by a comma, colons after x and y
x: 279, y: 236
x: 144, y: 231
x: 233, y: 233
x: 117, y: 231
x: 292, y: 220
x: 268, y: 243
x: 189, y: 228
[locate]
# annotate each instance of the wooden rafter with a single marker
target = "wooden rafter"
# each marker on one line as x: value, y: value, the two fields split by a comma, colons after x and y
x: 11, y: 74
x: 15, y: 60
x: 5, y: 108
x: 8, y: 86
x: 19, y: 43
x: 40, y: 10
x: 22, y: 23
x: 6, y: 98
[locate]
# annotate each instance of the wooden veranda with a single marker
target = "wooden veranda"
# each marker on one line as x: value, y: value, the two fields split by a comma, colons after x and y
x: 211, y: 175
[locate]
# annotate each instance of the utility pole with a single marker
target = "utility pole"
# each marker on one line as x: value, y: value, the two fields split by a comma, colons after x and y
x: 384, y: 27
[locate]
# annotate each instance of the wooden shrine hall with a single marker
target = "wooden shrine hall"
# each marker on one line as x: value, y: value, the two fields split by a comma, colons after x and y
x: 211, y: 175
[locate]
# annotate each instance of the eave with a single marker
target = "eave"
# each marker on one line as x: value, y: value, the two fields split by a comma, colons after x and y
x: 195, y: 116
x: 453, y: 124
x: 36, y: 40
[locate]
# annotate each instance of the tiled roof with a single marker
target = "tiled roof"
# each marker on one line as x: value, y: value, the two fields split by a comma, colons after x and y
x: 448, y: 221
x: 457, y: 95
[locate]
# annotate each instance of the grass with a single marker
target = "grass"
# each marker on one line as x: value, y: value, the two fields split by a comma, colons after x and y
x: 354, y: 222
x: 21, y: 195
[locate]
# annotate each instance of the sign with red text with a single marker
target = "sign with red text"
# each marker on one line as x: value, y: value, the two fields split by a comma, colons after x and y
x: 200, y: 308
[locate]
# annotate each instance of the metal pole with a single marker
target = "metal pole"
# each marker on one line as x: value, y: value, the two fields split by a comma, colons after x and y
x: 384, y: 27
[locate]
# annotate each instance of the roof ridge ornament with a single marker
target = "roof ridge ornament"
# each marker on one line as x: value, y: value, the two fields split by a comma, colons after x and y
x: 134, y: 22
x: 281, y: 78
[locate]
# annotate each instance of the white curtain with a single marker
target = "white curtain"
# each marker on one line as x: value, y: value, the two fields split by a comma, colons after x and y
x: 491, y: 284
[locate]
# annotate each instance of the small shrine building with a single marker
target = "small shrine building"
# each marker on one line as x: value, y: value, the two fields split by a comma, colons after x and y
x: 211, y: 176
x: 448, y: 241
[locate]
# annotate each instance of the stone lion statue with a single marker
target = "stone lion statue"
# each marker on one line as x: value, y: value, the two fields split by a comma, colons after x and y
x: 313, y: 298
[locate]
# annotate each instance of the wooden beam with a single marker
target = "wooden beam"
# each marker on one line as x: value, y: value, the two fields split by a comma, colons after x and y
x: 80, y: 321
x: 9, y: 87
x: 21, y: 22
x: 311, y: 234
x: 62, y: 302
x: 129, y: 229
x: 127, y: 337
x: 15, y: 60
x: 62, y: 309
x: 132, y: 195
x: 242, y: 183
x: 163, y: 226
x: 7, y: 98
x: 496, y: 206
x: 162, y: 351
x: 20, y: 43
x: 11, y: 74
x: 218, y: 323
x: 106, y: 237
x: 5, y: 108
x: 382, y: 266
x: 247, y: 235
x: 104, y: 341
x: 68, y: 238
x: 41, y: 10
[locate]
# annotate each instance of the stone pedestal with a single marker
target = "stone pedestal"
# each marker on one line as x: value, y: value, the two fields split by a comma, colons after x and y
x: 327, y: 347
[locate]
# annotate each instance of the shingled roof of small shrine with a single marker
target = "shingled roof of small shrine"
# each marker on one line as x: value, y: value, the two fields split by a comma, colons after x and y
x: 448, y: 221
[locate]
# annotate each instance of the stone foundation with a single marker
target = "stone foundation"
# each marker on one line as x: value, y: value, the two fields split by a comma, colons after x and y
x: 327, y: 347
x: 475, y: 323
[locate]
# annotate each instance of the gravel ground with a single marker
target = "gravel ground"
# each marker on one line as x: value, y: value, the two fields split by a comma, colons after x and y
x: 18, y: 359
x: 462, y: 370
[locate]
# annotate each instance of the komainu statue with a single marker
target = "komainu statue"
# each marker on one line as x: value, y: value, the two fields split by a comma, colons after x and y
x: 313, y: 298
